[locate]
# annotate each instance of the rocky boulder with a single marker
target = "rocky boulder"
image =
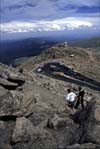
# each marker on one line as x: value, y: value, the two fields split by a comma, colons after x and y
x: 57, y: 122
x: 82, y: 146
x: 89, y: 123
x: 2, y: 131
x: 16, y: 103
x: 97, y: 112
x: 10, y: 78
x: 6, y: 128
x: 5, y: 146
x: 19, y: 79
x: 23, y: 131
x: 7, y: 84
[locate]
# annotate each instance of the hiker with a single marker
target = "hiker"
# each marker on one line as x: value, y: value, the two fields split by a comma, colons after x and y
x: 71, y: 98
x: 20, y: 70
x: 80, y: 97
x: 39, y: 70
x: 53, y: 57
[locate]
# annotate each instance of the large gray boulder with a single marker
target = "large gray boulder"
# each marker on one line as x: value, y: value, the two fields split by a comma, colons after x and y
x: 93, y: 127
x: 20, y: 102
x: 2, y: 131
x: 3, y: 91
x: 10, y: 78
x: 23, y: 131
x: 97, y: 112
x: 5, y: 134
x: 82, y: 146
x: 5, y: 146
x: 57, y: 122
x: 16, y: 103
x: 7, y: 84
x: 89, y: 123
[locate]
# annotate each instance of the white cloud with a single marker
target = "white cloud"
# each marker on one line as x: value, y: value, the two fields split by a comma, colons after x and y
x: 25, y: 16
x: 59, y: 24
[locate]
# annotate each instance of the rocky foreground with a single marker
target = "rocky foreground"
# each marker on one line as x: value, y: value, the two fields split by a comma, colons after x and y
x: 34, y: 113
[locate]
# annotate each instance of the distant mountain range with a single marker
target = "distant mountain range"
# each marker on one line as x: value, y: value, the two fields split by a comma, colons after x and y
x: 87, y: 43
x: 13, y: 49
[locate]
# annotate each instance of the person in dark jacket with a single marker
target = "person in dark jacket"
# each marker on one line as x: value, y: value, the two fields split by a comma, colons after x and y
x: 80, y: 98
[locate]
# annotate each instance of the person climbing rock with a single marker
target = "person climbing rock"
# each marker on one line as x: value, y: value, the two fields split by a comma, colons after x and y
x: 80, y: 98
x: 71, y: 98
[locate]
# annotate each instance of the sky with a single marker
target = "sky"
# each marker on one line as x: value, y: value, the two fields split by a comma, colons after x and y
x: 48, y: 15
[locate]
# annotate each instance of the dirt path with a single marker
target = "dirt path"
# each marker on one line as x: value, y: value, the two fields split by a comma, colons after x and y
x: 91, y: 55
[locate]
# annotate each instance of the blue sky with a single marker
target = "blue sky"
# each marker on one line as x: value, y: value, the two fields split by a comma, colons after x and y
x: 38, y: 15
